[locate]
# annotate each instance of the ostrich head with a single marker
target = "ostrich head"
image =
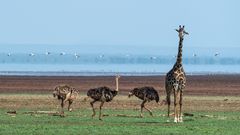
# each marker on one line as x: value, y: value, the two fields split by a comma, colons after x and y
x: 118, y: 76
x: 132, y: 92
x: 60, y: 90
x: 56, y: 92
x: 181, y: 32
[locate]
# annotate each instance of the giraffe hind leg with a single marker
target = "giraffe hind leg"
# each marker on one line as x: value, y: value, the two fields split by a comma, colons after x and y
x: 168, y: 103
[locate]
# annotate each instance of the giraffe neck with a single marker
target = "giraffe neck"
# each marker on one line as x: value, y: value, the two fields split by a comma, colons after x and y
x: 179, y: 56
x: 116, y: 84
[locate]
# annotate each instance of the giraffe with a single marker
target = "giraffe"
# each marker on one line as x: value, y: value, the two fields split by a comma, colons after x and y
x: 175, y: 80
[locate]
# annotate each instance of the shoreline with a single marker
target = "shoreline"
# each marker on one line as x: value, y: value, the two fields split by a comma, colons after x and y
x: 89, y: 73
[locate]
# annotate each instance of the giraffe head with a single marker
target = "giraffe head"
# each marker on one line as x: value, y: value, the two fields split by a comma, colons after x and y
x: 181, y: 32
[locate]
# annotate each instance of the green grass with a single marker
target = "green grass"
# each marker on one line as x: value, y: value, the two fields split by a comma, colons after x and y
x: 80, y: 122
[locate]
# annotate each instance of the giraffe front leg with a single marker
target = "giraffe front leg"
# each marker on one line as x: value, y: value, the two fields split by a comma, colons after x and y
x: 178, y: 105
x: 175, y: 105
x: 181, y: 99
x: 100, y: 112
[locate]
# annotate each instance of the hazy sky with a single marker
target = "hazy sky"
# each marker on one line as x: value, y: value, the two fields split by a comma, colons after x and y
x: 143, y: 23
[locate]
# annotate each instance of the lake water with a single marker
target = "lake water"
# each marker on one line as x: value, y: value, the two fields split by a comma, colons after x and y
x: 73, y: 64
x: 112, y: 59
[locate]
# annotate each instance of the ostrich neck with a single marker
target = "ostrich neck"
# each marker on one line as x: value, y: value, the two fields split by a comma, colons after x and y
x: 116, y: 84
x: 179, y: 56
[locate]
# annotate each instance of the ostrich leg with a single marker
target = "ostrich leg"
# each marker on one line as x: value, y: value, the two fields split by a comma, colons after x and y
x: 142, y: 105
x: 100, y: 112
x: 69, y: 105
x: 148, y: 110
x: 94, y: 113
x: 62, y: 106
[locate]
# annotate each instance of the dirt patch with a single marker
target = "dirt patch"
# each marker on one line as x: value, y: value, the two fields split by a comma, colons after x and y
x: 36, y: 102
x: 202, y: 85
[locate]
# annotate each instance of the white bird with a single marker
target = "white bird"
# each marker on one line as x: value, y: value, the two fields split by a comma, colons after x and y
x: 76, y: 55
x: 153, y: 58
x: 101, y: 56
x: 47, y: 53
x: 216, y: 54
x: 62, y: 53
x: 127, y: 55
x: 9, y: 54
x: 31, y: 54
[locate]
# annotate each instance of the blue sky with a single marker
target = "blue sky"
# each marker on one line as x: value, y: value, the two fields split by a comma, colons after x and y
x: 118, y: 23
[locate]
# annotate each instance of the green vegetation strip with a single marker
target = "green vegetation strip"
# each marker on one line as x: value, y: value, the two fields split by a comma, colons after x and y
x: 118, y: 122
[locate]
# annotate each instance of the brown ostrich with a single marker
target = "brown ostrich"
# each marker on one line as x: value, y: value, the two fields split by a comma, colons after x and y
x: 65, y: 93
x: 146, y: 94
x: 102, y: 94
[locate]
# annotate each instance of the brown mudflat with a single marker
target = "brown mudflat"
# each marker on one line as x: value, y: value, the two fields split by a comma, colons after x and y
x: 202, y: 85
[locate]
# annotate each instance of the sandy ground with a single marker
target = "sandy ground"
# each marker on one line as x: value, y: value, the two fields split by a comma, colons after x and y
x: 47, y: 102
x: 202, y: 85
x: 203, y: 93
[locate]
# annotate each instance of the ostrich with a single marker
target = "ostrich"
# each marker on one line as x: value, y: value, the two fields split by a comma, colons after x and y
x: 65, y: 93
x: 102, y: 94
x: 146, y: 94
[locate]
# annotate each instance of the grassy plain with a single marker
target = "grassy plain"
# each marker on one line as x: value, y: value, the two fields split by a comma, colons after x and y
x: 211, y: 115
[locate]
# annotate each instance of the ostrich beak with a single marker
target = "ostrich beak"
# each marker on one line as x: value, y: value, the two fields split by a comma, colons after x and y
x: 130, y: 94
x: 54, y: 94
